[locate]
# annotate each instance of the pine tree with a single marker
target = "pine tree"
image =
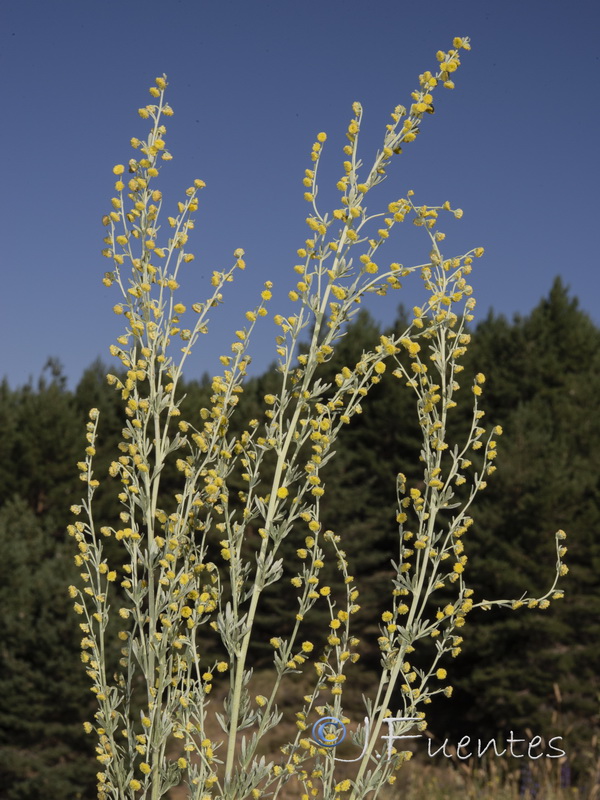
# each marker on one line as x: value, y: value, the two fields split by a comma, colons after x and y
x: 43, y: 750
x: 41, y: 445
x: 543, y: 384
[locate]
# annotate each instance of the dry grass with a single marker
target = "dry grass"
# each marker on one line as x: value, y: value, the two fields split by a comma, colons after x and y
x: 421, y: 778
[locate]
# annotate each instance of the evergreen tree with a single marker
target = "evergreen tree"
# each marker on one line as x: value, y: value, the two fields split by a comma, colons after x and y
x: 40, y: 444
x: 360, y: 498
x: 93, y: 391
x: 44, y: 697
x: 9, y: 428
x: 543, y: 384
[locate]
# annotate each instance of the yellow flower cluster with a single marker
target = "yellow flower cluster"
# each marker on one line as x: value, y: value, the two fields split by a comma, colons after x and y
x: 223, y: 507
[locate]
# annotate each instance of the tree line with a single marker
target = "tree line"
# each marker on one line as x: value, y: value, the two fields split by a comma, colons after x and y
x: 535, y: 671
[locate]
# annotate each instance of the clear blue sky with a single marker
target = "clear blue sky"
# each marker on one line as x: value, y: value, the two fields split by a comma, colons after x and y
x: 251, y: 82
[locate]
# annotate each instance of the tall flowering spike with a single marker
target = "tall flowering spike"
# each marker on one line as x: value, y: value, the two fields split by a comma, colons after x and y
x: 197, y: 562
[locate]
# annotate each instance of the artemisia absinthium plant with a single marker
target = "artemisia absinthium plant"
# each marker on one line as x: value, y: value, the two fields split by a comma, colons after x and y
x: 168, y: 586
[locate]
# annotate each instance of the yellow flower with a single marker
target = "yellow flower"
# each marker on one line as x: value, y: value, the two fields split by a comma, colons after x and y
x: 145, y: 768
x: 135, y: 785
x: 119, y: 169
x: 441, y: 674
x: 282, y: 492
x: 321, y: 137
x: 222, y: 666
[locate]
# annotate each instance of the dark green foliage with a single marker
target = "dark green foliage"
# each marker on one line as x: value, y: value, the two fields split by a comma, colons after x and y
x: 360, y: 499
x: 40, y: 444
x: 93, y: 391
x: 543, y: 385
x: 44, y: 698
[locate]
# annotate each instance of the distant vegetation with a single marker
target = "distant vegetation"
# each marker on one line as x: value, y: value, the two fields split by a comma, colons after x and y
x: 533, y: 674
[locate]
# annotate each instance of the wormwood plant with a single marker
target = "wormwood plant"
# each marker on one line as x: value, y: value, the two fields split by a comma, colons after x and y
x: 201, y: 565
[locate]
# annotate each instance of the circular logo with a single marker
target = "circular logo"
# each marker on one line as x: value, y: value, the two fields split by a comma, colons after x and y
x: 328, y: 731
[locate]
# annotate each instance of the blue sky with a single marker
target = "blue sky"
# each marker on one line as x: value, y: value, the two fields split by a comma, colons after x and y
x: 251, y: 83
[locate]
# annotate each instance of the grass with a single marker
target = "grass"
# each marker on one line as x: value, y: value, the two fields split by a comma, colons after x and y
x: 421, y: 778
